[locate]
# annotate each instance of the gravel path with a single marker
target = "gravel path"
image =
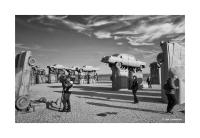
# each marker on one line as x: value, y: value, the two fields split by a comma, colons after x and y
x: 99, y: 104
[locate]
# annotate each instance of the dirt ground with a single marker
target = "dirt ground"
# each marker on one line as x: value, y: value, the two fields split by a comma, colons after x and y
x: 97, y: 103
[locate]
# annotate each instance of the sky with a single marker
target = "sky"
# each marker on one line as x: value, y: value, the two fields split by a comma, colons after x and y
x: 78, y: 40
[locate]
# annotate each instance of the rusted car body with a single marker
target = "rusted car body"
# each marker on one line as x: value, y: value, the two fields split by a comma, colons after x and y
x: 121, y: 60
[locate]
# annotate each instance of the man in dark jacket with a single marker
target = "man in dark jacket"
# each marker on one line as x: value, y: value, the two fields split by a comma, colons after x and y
x: 66, y: 84
x: 134, y: 88
x: 170, y: 90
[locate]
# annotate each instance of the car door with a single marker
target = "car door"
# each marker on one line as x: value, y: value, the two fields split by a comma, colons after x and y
x: 125, y: 60
x: 131, y: 61
x: 119, y: 59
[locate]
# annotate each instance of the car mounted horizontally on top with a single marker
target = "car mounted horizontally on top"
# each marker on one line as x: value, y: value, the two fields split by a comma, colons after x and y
x: 123, y: 60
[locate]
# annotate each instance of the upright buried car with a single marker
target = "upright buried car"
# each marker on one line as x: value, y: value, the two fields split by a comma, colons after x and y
x: 23, y: 66
x: 123, y: 60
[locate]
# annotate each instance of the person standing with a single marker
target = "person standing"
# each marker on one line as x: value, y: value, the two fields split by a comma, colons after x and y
x: 134, y: 88
x: 149, y: 82
x: 170, y: 91
x: 66, y: 84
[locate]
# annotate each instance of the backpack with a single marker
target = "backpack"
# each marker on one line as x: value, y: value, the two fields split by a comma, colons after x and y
x: 167, y: 86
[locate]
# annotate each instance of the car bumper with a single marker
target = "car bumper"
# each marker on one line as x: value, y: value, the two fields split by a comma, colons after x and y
x: 106, y: 59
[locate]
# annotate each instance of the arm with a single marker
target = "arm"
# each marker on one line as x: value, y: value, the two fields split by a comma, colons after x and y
x: 174, y: 84
x: 134, y: 86
x: 137, y: 85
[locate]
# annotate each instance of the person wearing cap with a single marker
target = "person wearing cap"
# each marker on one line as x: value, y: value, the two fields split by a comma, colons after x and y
x: 66, y: 84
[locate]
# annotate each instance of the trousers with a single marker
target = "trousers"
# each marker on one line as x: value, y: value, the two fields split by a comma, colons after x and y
x: 135, y: 96
x: 66, y: 101
x: 171, y: 102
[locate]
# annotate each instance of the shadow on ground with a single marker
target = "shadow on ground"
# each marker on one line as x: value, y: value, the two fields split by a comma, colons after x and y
x: 121, y: 107
x: 113, y: 95
x: 56, y: 86
x: 147, y: 92
x: 50, y: 104
x: 106, y: 113
x: 106, y: 93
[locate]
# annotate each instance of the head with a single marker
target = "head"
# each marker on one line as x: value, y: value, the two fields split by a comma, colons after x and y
x: 68, y: 78
x: 175, y: 77
x: 172, y: 75
x: 134, y: 78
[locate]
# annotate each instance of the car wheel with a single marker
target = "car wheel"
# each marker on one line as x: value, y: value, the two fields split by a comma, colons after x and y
x: 31, y: 61
x: 118, y: 64
x: 141, y: 67
x: 22, y: 102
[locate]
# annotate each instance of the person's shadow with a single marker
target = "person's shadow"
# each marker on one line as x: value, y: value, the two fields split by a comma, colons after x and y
x: 51, y: 106
x: 122, y: 107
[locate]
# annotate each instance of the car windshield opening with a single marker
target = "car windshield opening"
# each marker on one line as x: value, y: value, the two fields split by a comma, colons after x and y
x: 115, y: 55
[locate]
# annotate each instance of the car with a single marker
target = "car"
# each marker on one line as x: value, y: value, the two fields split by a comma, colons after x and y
x: 89, y: 68
x: 23, y: 67
x: 123, y: 60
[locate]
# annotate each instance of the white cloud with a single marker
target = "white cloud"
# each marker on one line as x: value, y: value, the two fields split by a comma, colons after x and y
x: 137, y: 41
x: 35, y: 18
x: 144, y: 55
x: 102, y: 34
x: 76, y: 26
x: 156, y: 31
x: 180, y: 39
x: 119, y: 43
x: 100, y: 23
x: 137, y: 29
x: 22, y: 46
x: 34, y: 47
x: 131, y: 17
x: 117, y: 37
x: 53, y: 20
x: 146, y: 34
x: 149, y: 29
x: 125, y: 33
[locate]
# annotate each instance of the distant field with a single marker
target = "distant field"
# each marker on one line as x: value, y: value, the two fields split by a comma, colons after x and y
x: 104, y: 77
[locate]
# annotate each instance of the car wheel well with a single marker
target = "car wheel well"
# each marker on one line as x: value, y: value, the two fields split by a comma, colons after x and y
x: 118, y: 64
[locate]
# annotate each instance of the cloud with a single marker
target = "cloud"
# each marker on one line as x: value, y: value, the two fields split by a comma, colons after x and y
x: 100, y: 23
x: 140, y: 29
x: 103, y: 35
x: 21, y: 46
x: 117, y: 38
x: 34, y: 47
x: 137, y: 41
x: 119, y: 43
x: 143, y: 55
x: 151, y: 28
x: 137, y: 30
x: 126, y: 33
x: 145, y: 34
x: 56, y: 21
x: 35, y: 18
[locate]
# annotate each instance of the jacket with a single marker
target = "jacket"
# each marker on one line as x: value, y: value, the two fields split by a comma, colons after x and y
x: 134, y: 86
x: 170, y: 87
